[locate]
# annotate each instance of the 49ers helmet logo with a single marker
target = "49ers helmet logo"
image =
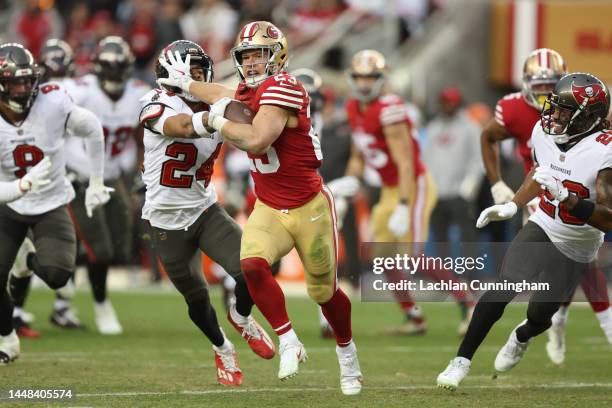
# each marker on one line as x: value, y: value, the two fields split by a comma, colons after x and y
x: 272, y: 32
x: 589, y: 94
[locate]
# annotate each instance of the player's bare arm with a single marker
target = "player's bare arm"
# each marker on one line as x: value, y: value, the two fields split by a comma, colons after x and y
x: 399, y: 140
x: 601, y: 216
x: 356, y: 163
x: 256, y: 138
x: 529, y: 190
x: 209, y: 92
x: 180, y: 126
x: 490, y: 137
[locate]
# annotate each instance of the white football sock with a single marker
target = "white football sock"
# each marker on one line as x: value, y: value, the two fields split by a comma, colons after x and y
x: 560, y: 317
x: 60, y: 304
x: 17, y: 312
x: 605, y: 317
x: 289, y: 337
x: 237, y: 317
x: 225, y: 347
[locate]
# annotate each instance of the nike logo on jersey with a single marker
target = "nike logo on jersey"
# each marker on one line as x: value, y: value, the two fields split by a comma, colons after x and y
x: 313, y: 219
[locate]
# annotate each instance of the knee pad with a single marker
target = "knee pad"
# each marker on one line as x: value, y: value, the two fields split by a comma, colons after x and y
x: 54, y: 277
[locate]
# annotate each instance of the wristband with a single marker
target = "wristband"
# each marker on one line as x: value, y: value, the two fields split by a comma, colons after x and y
x: 198, y: 126
x: 216, y: 121
x: 583, y: 209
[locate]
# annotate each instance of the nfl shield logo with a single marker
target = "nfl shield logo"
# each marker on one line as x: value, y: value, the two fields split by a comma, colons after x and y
x: 562, y: 157
x: 163, y: 236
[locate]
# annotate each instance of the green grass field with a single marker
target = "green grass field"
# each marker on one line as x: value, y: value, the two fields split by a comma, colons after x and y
x: 163, y: 361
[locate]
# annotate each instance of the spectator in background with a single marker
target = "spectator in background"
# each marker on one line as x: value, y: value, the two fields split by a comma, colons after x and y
x: 254, y: 10
x: 85, y: 31
x: 140, y: 34
x: 33, y: 22
x: 168, y: 25
x: 212, y: 24
x: 312, y: 17
x: 452, y: 154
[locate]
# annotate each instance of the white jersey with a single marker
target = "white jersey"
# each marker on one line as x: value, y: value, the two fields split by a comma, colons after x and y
x: 577, y: 168
x: 119, y: 121
x: 177, y: 171
x: 41, y: 134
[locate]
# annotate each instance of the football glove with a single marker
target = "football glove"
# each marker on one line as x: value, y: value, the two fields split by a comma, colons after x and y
x: 216, y: 118
x: 501, y: 193
x: 399, y: 222
x: 496, y: 212
x: 96, y: 195
x: 346, y: 186
x: 178, y: 71
x: 36, y: 177
x: 548, y: 181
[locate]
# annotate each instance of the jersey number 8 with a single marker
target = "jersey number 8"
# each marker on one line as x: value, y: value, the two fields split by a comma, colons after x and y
x: 25, y: 156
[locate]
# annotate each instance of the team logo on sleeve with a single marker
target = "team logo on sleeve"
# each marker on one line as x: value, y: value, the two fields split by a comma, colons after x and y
x: 589, y: 94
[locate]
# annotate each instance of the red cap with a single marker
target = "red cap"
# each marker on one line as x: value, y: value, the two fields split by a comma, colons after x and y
x: 450, y: 94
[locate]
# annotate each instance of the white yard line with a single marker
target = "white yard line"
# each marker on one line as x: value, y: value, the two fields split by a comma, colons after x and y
x: 335, y: 389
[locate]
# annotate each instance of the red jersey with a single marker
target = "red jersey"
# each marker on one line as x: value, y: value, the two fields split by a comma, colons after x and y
x: 368, y: 137
x: 286, y: 175
x: 515, y: 115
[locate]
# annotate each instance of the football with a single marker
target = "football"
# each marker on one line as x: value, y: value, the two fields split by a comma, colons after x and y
x: 238, y: 112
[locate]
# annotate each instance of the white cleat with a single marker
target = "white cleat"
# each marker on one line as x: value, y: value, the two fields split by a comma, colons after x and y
x: 106, y: 319
x: 455, y: 372
x: 9, y: 348
x: 511, y: 353
x: 351, y: 378
x: 555, y: 347
x: 291, y: 355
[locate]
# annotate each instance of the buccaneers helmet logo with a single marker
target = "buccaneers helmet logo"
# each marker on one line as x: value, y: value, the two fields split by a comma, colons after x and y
x: 588, y: 94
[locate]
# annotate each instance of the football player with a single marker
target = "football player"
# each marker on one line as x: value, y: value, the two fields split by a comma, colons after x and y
x: 573, y: 155
x: 312, y: 82
x: 106, y: 234
x: 34, y: 121
x: 293, y: 208
x: 181, y: 207
x: 515, y: 116
x: 383, y: 139
x: 56, y: 64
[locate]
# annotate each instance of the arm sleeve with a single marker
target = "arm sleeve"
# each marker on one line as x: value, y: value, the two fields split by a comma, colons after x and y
x: 79, y: 162
x: 9, y: 191
x: 83, y: 123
